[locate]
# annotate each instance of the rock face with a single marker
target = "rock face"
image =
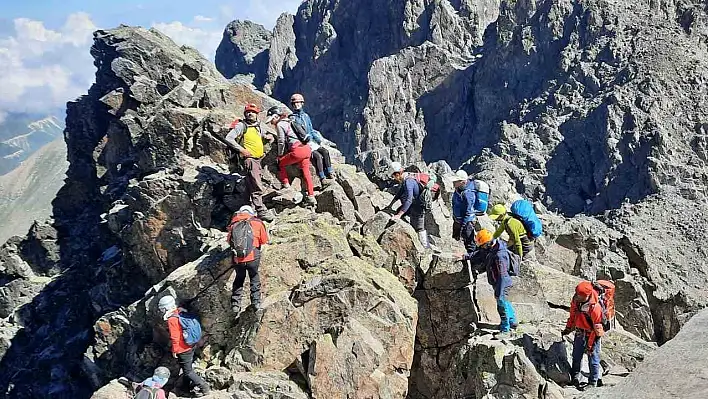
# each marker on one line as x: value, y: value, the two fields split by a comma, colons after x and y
x: 246, y: 43
x: 588, y: 107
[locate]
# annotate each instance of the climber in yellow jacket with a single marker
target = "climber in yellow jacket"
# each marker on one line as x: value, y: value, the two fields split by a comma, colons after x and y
x: 519, y: 241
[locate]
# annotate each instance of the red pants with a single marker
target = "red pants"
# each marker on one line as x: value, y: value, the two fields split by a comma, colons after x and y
x: 299, y: 154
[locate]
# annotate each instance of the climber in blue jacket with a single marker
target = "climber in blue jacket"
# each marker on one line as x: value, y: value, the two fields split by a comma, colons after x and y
x: 320, y: 156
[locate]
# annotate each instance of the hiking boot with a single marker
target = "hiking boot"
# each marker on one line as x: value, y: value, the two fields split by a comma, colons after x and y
x: 606, y: 368
x: 515, y: 326
x: 600, y: 383
x: 257, y: 305
x: 286, y: 185
x: 266, y: 216
x: 310, y: 200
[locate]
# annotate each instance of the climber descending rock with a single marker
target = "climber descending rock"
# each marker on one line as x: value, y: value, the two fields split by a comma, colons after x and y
x: 151, y: 388
x: 498, y: 263
x: 463, y: 210
x: 520, y: 241
x: 417, y: 192
x: 320, y: 155
x: 586, y: 319
x: 246, y: 137
x: 247, y: 234
x: 180, y: 340
x: 292, y: 149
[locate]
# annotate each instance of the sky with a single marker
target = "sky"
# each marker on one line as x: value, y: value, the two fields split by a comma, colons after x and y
x: 44, y: 44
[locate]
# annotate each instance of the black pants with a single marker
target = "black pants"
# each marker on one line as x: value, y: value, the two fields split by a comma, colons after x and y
x: 467, y: 234
x: 321, y: 160
x: 185, y: 361
x: 237, y: 291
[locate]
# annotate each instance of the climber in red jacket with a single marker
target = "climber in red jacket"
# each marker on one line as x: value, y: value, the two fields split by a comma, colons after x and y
x: 586, y: 320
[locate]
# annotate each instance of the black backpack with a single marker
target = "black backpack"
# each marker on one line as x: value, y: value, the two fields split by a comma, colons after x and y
x: 147, y: 393
x: 242, y: 238
x: 514, y: 263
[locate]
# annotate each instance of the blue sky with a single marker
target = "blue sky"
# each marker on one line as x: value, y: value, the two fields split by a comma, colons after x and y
x: 44, y: 44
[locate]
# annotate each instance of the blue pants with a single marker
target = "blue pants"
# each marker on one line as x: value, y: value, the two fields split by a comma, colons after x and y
x: 593, y: 359
x: 504, y: 307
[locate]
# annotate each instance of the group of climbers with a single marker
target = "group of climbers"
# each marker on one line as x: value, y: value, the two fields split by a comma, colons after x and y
x: 298, y: 144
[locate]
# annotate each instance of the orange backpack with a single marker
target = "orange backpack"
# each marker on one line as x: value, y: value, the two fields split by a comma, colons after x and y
x: 606, y: 297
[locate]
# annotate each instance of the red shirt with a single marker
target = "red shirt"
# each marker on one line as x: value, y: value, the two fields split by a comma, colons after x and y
x: 176, y: 333
x: 581, y: 319
x: 260, y: 235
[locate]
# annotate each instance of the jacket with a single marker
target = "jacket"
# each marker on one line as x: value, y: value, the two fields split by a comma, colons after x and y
x: 497, y: 263
x: 252, y: 140
x: 260, y: 236
x: 176, y: 333
x: 409, y: 191
x: 463, y: 201
x: 586, y: 317
x: 304, y: 119
x: 518, y: 238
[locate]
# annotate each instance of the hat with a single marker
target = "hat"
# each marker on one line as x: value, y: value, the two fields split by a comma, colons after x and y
x: 395, y: 167
x: 497, y: 211
x: 460, y: 175
x: 167, y: 303
x: 584, y: 288
x: 246, y: 209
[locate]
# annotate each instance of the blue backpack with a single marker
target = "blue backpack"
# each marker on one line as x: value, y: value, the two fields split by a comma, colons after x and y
x: 523, y: 211
x: 191, y: 329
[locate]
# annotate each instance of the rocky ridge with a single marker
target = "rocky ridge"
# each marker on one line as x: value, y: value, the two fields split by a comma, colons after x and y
x: 354, y: 305
x: 587, y: 107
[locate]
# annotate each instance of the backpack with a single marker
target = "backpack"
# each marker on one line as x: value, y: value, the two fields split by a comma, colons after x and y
x: 606, y: 298
x: 523, y: 211
x: 514, y: 263
x: 299, y: 130
x: 482, y: 196
x: 429, y: 189
x: 147, y: 393
x: 242, y: 238
x: 191, y: 329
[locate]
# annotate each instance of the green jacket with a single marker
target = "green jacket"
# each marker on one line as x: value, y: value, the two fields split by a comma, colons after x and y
x: 519, y: 241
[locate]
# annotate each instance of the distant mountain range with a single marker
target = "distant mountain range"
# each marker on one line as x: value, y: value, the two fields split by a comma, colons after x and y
x: 23, y: 134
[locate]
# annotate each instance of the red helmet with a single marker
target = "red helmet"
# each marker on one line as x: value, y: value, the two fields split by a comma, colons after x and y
x: 251, y: 107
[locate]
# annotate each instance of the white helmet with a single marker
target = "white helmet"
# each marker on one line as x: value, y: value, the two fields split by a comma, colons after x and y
x: 460, y: 175
x: 247, y: 209
x: 396, y: 167
x: 167, y: 303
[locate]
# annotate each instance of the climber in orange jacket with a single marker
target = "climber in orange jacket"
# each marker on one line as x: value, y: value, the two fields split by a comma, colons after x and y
x: 586, y: 320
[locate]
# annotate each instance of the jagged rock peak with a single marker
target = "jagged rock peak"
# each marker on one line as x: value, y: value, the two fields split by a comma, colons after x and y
x: 245, y: 45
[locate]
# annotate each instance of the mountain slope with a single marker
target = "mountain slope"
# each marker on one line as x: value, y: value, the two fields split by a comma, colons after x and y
x: 22, y: 134
x: 27, y: 191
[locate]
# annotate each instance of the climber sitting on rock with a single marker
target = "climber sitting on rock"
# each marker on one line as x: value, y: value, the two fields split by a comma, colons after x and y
x: 320, y: 155
x: 246, y: 137
x: 497, y: 263
x: 415, y: 196
x: 181, y: 349
x: 247, y: 234
x: 463, y: 212
x: 586, y: 320
x: 519, y: 241
x: 292, y: 149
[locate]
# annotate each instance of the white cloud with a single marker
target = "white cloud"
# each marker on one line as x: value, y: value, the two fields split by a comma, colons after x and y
x: 205, y: 40
x: 41, y: 69
x: 201, y: 18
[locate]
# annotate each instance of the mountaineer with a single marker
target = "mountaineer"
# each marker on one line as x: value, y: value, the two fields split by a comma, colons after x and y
x: 320, y: 155
x: 498, y: 263
x: 247, y: 234
x: 463, y: 211
x: 185, y: 332
x: 246, y: 137
x: 586, y: 319
x: 151, y: 388
x: 417, y: 192
x: 292, y: 149
x: 519, y: 241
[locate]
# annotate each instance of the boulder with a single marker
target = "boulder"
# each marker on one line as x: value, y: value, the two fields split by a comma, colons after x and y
x: 368, y: 249
x: 401, y: 242
x: 334, y: 200
x: 376, y: 226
